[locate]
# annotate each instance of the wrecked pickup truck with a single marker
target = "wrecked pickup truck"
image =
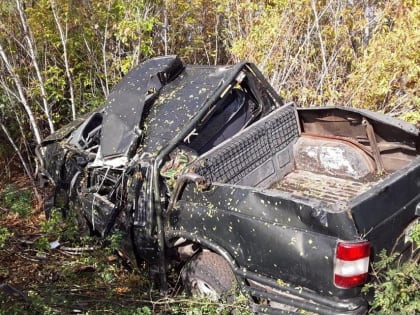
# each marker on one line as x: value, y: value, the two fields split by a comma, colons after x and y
x: 207, y: 167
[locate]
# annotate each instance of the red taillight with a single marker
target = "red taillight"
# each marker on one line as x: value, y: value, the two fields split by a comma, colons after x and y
x: 351, y: 264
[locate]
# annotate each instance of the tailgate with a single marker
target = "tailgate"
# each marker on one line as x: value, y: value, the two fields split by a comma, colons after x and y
x: 383, y: 212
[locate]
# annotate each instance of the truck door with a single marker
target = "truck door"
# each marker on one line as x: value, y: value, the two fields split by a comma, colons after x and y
x: 144, y: 217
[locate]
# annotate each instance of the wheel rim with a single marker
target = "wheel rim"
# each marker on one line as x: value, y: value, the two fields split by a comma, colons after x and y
x: 202, y: 288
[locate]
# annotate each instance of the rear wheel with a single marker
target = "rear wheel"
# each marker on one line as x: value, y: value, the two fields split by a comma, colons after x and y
x: 208, y: 275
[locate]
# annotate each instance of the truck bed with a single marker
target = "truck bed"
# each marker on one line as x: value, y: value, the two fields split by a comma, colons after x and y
x: 274, y: 154
x: 327, y: 160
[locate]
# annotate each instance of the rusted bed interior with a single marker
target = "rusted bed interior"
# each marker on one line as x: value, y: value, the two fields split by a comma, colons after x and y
x: 326, y: 188
x: 281, y: 152
x: 327, y: 169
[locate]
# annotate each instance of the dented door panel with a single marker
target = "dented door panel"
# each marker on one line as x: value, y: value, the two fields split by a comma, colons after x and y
x: 266, y: 234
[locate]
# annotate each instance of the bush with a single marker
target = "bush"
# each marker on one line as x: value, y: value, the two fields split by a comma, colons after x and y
x: 4, y: 236
x: 18, y: 200
x: 331, y: 53
x: 386, y: 76
x: 397, y: 285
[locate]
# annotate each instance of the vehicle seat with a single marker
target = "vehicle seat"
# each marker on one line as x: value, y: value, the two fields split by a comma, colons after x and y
x: 232, y: 114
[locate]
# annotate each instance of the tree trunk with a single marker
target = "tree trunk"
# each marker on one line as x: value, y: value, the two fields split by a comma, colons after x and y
x: 63, y: 38
x: 24, y: 164
x: 33, y: 55
x: 21, y: 95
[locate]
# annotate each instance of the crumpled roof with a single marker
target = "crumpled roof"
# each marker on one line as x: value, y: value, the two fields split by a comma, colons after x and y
x: 124, y: 109
x: 180, y: 101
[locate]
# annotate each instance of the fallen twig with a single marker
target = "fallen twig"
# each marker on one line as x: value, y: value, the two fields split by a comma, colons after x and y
x: 75, y: 250
x: 4, y: 209
x: 13, y: 292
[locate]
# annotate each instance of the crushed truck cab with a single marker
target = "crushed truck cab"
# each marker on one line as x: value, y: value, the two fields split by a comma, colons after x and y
x: 207, y: 167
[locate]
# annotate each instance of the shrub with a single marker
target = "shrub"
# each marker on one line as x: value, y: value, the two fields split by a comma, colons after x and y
x: 397, y: 285
x: 5, y: 234
x: 386, y: 76
x: 18, y: 200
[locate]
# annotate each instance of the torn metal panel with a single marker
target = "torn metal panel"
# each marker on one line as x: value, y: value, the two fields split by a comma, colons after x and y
x: 65, y: 131
x: 180, y: 101
x: 87, y: 135
x: 125, y: 104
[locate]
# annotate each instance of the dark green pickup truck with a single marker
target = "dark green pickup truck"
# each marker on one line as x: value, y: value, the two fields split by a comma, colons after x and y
x: 207, y: 167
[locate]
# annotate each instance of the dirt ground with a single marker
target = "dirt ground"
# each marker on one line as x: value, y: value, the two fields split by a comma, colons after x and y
x: 83, y: 277
x: 47, y: 267
x: 40, y: 276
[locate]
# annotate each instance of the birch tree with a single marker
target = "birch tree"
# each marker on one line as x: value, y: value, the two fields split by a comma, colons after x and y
x: 63, y: 37
x: 34, y: 58
x: 20, y: 95
x: 24, y: 163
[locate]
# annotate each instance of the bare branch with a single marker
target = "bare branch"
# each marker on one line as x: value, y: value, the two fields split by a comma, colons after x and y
x: 106, y: 88
x: 165, y: 27
x: 33, y: 54
x: 22, y: 96
x: 63, y: 38
x: 24, y: 164
x: 321, y: 44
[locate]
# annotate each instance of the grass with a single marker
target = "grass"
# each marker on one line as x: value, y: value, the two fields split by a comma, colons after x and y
x: 83, y: 276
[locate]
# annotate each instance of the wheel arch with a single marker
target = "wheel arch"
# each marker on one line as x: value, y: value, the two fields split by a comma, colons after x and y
x: 173, y: 236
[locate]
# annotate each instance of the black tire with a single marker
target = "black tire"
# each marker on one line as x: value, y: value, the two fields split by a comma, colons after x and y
x: 208, y: 275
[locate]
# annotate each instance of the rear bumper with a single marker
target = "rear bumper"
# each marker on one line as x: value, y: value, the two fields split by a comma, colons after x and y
x: 290, y: 300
